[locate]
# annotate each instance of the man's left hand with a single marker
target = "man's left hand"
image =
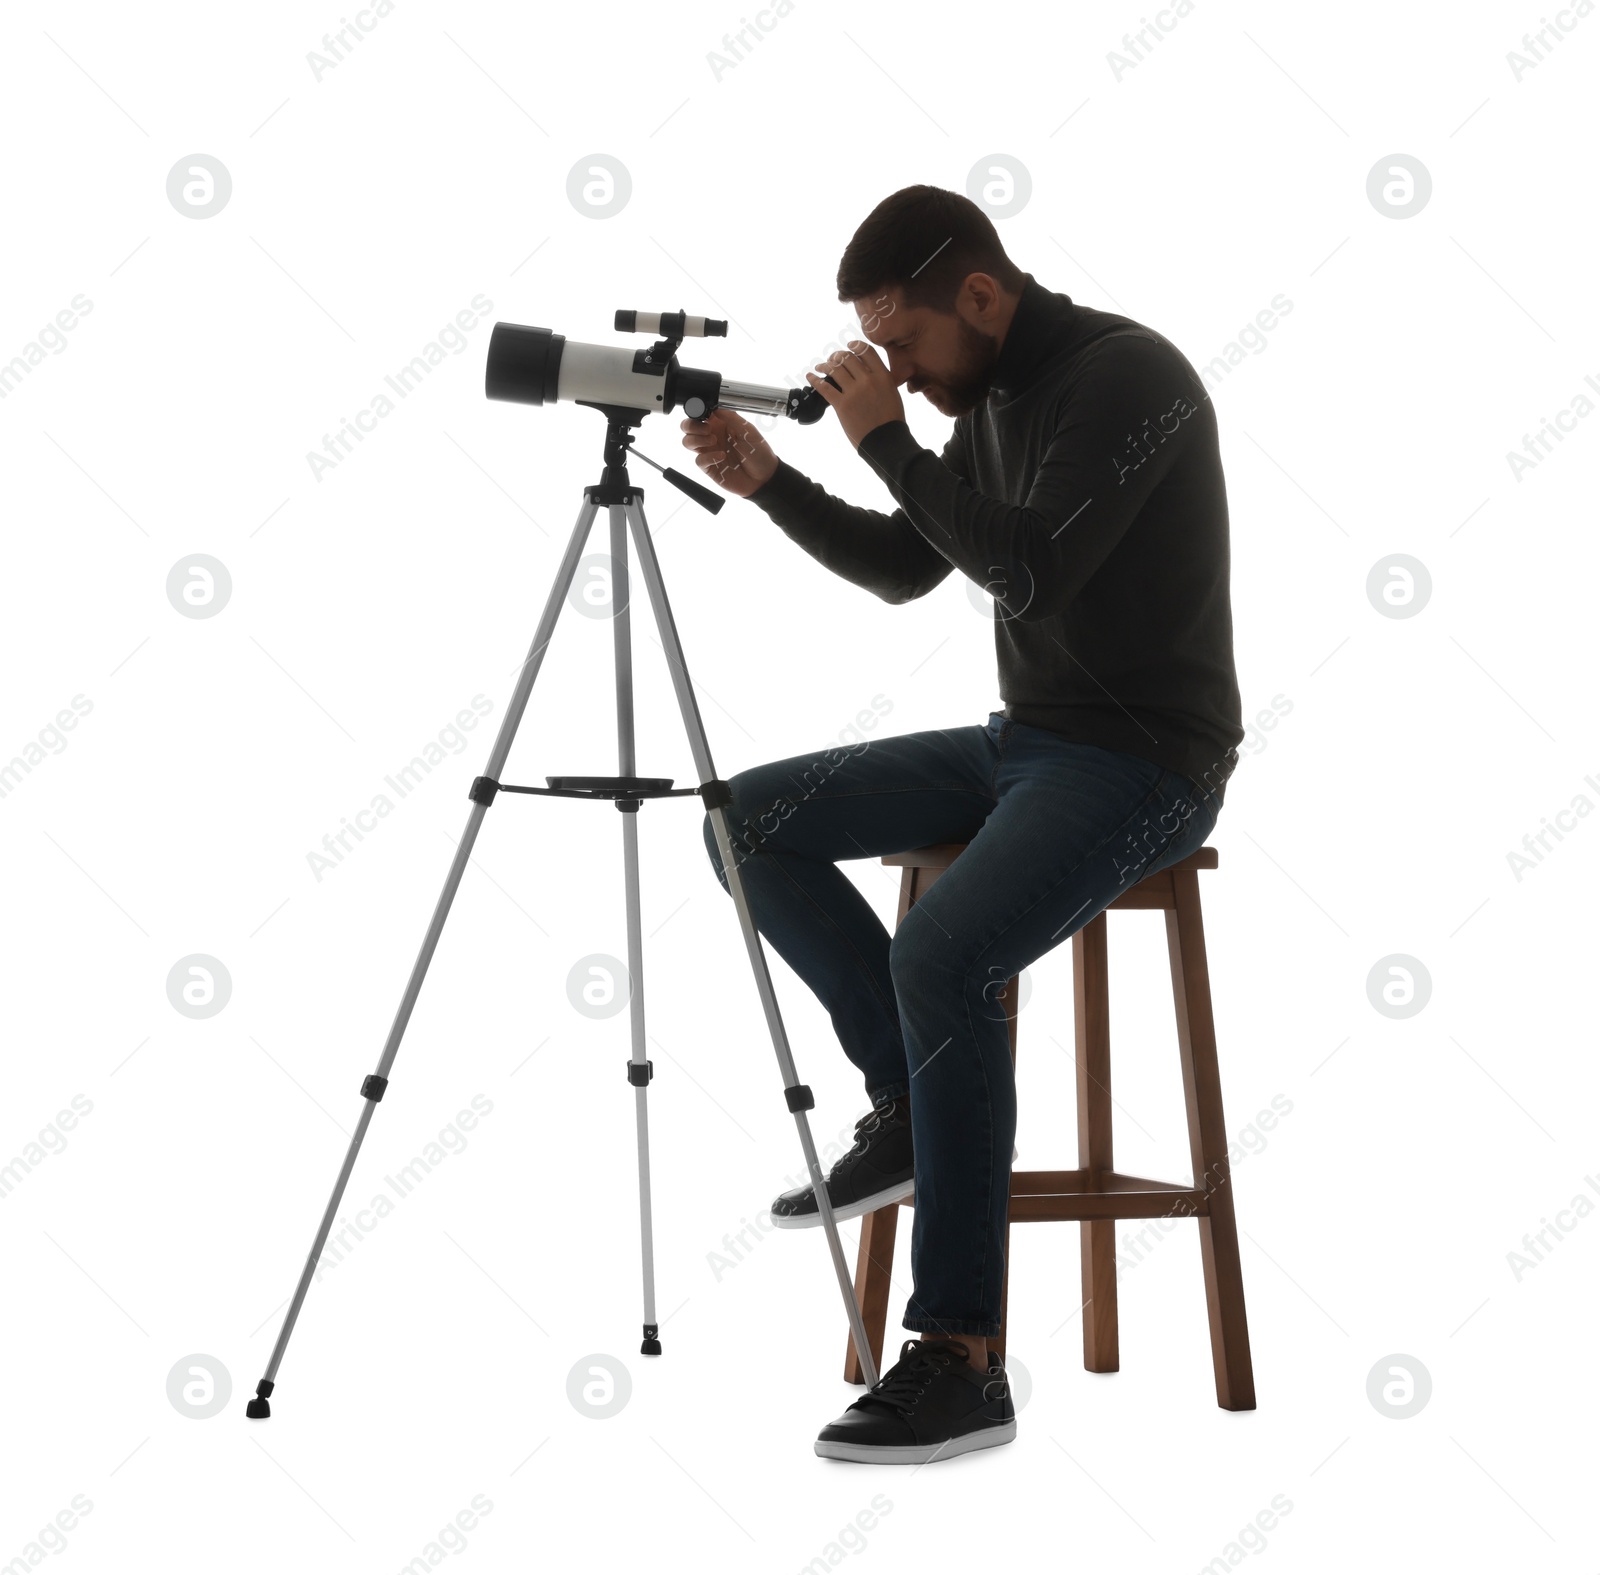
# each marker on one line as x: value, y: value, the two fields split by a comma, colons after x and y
x: 866, y: 396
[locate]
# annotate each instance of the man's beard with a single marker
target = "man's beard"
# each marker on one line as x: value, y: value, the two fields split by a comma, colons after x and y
x: 970, y: 386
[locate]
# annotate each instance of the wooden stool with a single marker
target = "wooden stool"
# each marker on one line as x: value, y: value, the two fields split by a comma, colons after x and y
x: 1096, y: 1194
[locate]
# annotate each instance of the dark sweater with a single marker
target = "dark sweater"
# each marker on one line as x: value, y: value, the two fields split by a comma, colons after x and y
x: 1085, y: 494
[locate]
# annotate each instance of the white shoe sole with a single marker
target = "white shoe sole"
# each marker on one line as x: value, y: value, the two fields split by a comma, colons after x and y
x: 850, y: 1211
x: 918, y: 1454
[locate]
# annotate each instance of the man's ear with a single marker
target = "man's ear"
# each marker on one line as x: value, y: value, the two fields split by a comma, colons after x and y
x: 979, y: 300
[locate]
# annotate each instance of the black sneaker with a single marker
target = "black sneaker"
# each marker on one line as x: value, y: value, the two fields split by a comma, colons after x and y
x: 930, y: 1405
x: 875, y: 1172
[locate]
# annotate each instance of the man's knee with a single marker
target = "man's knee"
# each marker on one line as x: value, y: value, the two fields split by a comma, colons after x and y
x: 708, y: 831
x: 741, y: 832
x: 922, y: 959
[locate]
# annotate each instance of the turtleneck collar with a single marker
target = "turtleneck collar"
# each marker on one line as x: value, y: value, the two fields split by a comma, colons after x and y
x: 1029, y: 339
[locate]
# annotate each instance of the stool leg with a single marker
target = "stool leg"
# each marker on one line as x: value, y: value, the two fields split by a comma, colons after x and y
x: 1097, y: 1239
x: 997, y: 1344
x: 1208, y: 1146
x: 874, y: 1259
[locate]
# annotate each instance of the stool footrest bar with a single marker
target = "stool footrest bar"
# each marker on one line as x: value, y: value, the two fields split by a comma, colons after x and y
x: 1101, y: 1195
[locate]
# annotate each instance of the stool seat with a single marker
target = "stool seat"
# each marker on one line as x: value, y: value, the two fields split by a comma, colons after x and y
x: 1096, y: 1194
x: 941, y: 855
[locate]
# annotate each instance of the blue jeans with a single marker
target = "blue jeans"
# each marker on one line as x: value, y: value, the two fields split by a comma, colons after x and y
x: 1055, y: 831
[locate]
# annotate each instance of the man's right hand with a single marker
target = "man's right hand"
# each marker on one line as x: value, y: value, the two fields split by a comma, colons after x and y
x: 730, y: 451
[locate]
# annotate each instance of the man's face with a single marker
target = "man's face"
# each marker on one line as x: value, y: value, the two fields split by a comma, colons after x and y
x: 945, y: 356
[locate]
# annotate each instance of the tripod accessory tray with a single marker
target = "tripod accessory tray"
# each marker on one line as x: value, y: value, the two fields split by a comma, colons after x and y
x: 627, y: 791
x: 610, y: 787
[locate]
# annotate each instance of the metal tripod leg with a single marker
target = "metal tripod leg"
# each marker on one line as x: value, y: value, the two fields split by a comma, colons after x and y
x: 639, y: 1069
x: 796, y: 1094
x: 373, y: 1087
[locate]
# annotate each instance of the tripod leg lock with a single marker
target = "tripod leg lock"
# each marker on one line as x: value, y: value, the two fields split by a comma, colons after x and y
x: 798, y: 1098
x: 715, y: 794
x: 640, y: 1072
x: 373, y: 1087
x: 483, y: 790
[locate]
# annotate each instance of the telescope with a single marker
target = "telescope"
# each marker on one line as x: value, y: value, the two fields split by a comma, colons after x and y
x: 535, y: 366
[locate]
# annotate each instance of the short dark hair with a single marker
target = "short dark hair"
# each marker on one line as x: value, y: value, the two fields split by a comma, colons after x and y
x: 926, y: 240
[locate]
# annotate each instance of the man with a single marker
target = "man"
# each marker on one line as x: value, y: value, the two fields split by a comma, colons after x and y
x: 1083, y: 490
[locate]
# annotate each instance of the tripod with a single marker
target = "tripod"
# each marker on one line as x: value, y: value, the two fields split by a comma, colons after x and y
x: 624, y: 503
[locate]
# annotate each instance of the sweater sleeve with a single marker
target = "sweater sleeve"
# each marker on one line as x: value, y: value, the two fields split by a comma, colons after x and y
x: 1120, y: 428
x: 883, y: 553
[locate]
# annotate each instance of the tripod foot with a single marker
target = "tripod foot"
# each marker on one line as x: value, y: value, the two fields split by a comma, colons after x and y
x: 258, y: 1410
x: 651, y: 1346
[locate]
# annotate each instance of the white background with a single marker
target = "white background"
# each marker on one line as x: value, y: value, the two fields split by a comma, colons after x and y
x: 369, y: 606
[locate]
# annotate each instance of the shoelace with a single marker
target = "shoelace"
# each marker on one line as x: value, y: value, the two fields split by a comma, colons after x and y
x: 864, y: 1129
x: 902, y: 1386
